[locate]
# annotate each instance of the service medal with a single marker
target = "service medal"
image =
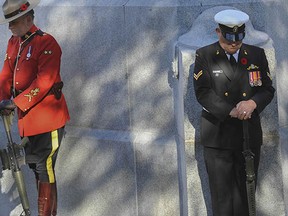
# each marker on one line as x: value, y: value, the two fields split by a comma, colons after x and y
x: 255, y: 78
x: 29, y: 53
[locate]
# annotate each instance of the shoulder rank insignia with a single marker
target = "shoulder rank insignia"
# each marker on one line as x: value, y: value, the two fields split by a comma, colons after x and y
x: 32, y: 93
x: 197, y: 76
x: 48, y: 52
x: 252, y: 67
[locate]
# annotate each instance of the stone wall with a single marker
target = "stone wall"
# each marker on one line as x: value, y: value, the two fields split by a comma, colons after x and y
x: 123, y: 153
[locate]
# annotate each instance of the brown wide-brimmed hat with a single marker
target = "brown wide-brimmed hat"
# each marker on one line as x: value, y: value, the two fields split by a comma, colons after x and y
x: 13, y: 9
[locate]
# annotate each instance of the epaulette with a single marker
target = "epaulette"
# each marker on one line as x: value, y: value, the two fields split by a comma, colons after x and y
x: 40, y: 32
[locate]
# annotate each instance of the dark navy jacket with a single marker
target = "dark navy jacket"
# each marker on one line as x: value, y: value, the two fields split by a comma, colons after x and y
x: 218, y: 89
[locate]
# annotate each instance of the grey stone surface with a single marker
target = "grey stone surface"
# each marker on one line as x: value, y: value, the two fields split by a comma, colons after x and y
x: 94, y: 65
x: 276, y: 26
x: 96, y: 177
x: 149, y: 56
x: 118, y: 71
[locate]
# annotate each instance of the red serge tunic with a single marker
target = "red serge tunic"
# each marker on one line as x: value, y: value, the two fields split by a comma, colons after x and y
x: 37, y: 69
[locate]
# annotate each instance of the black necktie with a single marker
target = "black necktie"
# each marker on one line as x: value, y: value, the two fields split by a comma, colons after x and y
x: 233, y: 62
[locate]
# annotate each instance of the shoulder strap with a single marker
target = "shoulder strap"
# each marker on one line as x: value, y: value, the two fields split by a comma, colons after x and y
x: 40, y: 32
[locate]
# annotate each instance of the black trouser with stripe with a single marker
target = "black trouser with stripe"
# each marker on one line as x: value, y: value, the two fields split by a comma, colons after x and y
x: 41, y: 154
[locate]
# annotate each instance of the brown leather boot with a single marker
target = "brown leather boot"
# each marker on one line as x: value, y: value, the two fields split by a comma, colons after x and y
x: 44, y: 199
x: 54, y: 198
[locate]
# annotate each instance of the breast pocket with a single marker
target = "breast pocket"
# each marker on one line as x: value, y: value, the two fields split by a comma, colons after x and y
x: 220, y: 82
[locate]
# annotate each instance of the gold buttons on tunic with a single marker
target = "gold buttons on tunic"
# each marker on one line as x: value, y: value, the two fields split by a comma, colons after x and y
x: 244, y: 94
x: 226, y: 94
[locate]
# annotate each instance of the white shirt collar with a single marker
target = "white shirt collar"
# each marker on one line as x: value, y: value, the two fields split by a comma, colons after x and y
x: 235, y: 55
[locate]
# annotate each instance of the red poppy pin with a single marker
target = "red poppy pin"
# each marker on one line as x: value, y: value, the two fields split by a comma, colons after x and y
x: 23, y: 7
x: 243, y: 61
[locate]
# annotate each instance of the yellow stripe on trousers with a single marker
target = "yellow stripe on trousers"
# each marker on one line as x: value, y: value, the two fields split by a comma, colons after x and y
x: 49, y: 164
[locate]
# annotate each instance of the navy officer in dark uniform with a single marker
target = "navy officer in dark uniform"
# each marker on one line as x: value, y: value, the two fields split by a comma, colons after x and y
x: 232, y: 82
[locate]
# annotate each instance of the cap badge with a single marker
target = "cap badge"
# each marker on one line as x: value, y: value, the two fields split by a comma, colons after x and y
x: 235, y: 29
x: 24, y: 6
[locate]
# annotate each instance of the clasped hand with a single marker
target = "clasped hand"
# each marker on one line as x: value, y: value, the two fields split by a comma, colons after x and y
x: 243, y: 110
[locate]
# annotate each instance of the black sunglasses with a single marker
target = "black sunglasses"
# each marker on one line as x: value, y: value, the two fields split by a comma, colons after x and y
x: 233, y: 37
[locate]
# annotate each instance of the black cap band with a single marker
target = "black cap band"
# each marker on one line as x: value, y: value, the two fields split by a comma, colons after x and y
x: 21, y: 9
x: 233, y: 34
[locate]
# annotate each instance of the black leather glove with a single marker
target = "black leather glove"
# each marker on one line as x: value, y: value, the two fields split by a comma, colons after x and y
x: 7, y: 105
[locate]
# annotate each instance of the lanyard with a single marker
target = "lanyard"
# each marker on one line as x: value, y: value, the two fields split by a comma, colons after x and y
x: 22, y: 45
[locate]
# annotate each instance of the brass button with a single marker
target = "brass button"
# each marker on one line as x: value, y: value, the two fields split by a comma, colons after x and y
x: 226, y: 94
x: 244, y: 94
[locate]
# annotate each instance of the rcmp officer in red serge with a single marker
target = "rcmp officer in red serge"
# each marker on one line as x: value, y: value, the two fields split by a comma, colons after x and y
x: 232, y: 82
x: 30, y: 80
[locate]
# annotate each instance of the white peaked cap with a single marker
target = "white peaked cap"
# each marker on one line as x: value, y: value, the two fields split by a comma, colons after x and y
x: 231, y: 18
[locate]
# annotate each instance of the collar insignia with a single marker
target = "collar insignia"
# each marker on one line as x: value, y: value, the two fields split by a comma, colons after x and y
x: 26, y: 36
